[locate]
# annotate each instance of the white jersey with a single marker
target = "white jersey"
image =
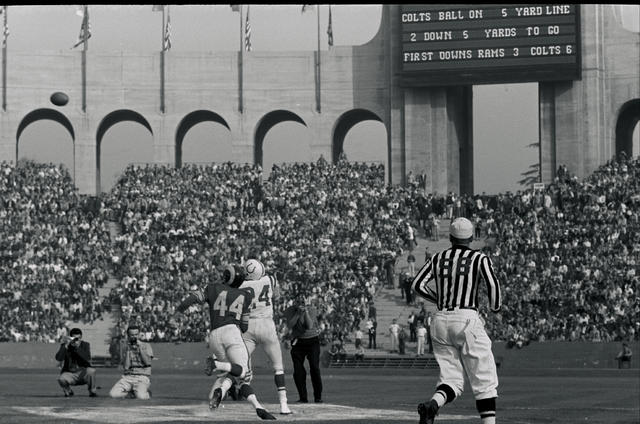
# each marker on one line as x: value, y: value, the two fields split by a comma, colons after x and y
x: 262, y: 305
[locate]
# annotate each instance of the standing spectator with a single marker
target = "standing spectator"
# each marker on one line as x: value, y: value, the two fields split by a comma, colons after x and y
x: 435, y: 228
x: 359, y: 335
x: 372, y: 335
x: 394, y: 329
x: 402, y: 338
x: 624, y: 356
x: 411, y: 261
x: 390, y: 268
x: 75, y: 355
x: 422, y: 332
x: 412, y: 321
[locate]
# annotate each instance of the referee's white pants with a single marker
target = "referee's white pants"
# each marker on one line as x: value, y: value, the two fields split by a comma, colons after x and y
x: 461, y: 344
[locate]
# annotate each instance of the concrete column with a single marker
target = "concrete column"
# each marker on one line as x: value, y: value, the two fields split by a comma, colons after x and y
x: 164, y: 149
x: 86, y: 175
x: 547, y: 131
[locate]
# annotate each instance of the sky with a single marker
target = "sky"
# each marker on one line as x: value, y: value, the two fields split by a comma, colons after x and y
x: 505, y: 116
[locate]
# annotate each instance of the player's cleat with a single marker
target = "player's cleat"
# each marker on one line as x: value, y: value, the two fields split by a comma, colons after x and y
x: 284, y: 409
x: 210, y: 366
x: 318, y: 401
x: 130, y: 395
x: 263, y: 414
x: 428, y: 412
x: 214, y: 402
x: 93, y: 394
x: 68, y: 393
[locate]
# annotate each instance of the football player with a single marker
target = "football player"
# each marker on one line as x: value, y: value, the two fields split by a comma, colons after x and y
x: 262, y: 328
x: 229, y: 313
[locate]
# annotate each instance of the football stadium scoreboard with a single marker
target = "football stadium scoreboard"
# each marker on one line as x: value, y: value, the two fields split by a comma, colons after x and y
x: 485, y: 43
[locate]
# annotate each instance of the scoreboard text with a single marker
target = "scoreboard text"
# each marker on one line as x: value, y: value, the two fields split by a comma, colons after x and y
x: 481, y: 43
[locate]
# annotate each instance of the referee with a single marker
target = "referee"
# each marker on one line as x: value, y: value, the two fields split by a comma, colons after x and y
x: 460, y: 342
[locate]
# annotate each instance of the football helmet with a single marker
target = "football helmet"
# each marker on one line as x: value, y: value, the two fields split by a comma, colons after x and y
x: 233, y: 275
x: 254, y: 269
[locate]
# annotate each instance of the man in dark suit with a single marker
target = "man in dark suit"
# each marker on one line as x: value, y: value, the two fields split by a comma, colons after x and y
x: 75, y: 356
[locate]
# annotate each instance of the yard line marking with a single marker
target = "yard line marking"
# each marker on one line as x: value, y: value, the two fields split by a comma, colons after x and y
x: 229, y: 412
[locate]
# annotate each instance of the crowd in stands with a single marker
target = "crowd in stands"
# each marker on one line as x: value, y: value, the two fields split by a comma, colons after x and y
x: 567, y: 255
x: 568, y: 258
x: 54, y: 253
x: 323, y: 229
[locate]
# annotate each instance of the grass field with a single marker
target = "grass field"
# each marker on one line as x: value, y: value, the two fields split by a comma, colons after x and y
x: 351, y: 396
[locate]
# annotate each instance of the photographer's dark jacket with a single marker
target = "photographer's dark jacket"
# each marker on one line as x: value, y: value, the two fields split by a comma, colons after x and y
x: 74, y: 358
x: 303, y: 323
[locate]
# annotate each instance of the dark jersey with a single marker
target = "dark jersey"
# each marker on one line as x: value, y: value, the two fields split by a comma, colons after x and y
x: 227, y: 305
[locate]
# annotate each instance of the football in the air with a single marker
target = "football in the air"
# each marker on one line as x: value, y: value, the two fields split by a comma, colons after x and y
x: 254, y: 269
x: 59, y: 98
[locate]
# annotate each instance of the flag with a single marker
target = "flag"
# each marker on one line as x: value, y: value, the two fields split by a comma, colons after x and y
x: 330, y: 29
x: 306, y: 7
x: 158, y: 7
x: 235, y: 7
x: 167, y: 34
x: 247, y: 33
x: 85, y: 28
x: 5, y: 26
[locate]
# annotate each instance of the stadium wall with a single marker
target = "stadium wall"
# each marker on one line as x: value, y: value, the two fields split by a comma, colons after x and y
x: 172, y: 356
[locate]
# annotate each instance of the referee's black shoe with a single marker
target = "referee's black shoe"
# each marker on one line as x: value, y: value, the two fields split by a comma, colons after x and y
x: 428, y: 412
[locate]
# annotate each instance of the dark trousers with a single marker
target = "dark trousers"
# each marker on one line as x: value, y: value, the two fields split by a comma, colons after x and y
x: 309, y: 349
x: 372, y: 341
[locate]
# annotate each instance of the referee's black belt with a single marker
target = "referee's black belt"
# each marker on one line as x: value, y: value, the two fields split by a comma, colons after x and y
x: 458, y: 307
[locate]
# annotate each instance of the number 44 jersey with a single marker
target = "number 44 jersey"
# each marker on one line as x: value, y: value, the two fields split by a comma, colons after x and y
x: 262, y: 293
x: 226, y: 304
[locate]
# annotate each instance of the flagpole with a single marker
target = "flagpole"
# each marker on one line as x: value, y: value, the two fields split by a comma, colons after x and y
x: 4, y: 62
x: 84, y: 58
x: 318, y: 103
x: 162, y: 35
x: 240, y: 67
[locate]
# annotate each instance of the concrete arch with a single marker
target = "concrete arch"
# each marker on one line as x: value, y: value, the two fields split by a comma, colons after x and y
x: 344, y: 123
x: 628, y: 117
x: 267, y: 122
x: 188, y: 122
x: 107, y: 122
x: 49, y: 114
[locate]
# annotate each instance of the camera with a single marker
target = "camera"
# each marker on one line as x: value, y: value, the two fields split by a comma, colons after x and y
x: 133, y: 340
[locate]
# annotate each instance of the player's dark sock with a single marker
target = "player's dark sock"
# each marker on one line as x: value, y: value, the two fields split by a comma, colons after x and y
x: 236, y: 370
x: 279, y: 380
x: 487, y: 410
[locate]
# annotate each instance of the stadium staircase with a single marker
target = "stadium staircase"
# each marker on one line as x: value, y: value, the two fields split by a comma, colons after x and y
x: 99, y: 333
x: 390, y: 304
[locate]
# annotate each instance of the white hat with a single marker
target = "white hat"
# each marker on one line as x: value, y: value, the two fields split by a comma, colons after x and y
x: 461, y: 228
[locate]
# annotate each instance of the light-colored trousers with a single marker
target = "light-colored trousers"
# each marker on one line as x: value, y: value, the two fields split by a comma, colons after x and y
x: 262, y: 331
x: 420, y: 345
x: 461, y: 344
x: 394, y: 341
x: 139, y: 384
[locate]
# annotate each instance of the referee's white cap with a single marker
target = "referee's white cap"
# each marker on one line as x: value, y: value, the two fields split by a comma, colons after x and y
x: 461, y: 228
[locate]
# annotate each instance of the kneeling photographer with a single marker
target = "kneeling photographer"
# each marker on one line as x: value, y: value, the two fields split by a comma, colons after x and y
x: 135, y: 358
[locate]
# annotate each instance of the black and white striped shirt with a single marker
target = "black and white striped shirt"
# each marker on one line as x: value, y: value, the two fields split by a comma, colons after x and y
x: 456, y: 272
